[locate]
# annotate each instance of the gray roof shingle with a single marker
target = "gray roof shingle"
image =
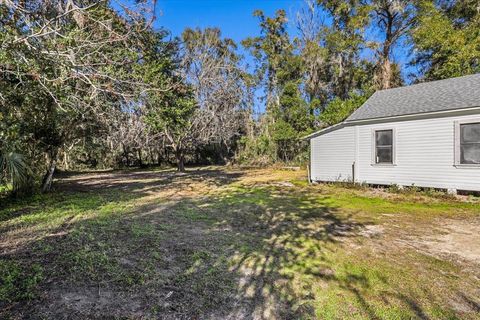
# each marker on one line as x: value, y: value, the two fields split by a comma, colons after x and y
x: 442, y: 95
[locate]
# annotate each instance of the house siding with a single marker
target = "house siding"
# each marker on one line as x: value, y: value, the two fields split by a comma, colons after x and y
x: 332, y: 155
x: 424, y: 155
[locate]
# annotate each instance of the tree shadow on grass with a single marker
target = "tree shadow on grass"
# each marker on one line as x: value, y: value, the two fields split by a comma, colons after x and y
x: 251, y: 252
x: 279, y: 244
x: 48, y: 236
x: 147, y: 180
x: 289, y: 234
x: 109, y: 187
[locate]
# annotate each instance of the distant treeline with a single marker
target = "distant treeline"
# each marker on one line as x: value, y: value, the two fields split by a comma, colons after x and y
x: 86, y: 85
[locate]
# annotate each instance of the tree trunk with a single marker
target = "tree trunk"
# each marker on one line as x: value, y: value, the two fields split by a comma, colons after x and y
x: 140, y: 161
x: 48, y: 177
x: 167, y: 155
x: 385, y: 65
x: 180, y: 160
x: 127, y: 158
x: 152, y: 156
x: 386, y: 73
x: 65, y: 161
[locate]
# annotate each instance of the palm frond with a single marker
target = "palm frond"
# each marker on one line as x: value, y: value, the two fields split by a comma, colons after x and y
x: 14, y: 169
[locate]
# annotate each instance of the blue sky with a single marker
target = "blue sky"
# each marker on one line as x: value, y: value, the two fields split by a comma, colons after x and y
x: 233, y: 17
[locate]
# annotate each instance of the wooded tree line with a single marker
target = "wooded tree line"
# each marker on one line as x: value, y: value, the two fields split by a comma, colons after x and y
x: 92, y: 84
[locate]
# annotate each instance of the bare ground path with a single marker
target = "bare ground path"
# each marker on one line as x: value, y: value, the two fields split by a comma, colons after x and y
x: 218, y: 243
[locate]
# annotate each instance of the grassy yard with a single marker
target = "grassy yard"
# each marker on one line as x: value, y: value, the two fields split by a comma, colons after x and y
x: 221, y: 243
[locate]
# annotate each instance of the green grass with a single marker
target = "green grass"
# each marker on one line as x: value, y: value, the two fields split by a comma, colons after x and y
x: 375, y: 205
x: 18, y: 282
x: 328, y: 277
x: 261, y: 248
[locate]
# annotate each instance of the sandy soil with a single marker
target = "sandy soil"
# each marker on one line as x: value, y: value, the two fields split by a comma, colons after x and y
x: 456, y: 238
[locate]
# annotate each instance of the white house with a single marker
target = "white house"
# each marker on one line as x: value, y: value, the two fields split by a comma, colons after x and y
x: 427, y: 135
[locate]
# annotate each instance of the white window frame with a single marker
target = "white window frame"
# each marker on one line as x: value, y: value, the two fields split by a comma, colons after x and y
x: 457, y: 151
x: 394, y: 147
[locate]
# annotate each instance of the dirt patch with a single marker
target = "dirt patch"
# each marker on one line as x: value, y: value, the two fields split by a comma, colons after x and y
x: 93, y: 302
x: 371, y: 231
x: 456, y: 238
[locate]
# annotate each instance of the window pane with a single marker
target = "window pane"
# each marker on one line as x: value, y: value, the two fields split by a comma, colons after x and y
x: 384, y: 155
x: 384, y: 137
x: 470, y: 132
x: 470, y: 154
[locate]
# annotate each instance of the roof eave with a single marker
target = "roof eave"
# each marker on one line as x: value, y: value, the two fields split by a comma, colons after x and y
x: 324, y: 130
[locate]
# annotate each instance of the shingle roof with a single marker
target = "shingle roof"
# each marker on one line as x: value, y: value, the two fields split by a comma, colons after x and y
x: 442, y: 95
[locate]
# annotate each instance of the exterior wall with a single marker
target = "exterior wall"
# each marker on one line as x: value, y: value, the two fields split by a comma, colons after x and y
x: 332, y: 155
x: 424, y: 152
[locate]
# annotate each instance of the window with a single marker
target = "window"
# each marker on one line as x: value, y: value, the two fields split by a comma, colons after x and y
x: 384, y: 146
x: 470, y: 143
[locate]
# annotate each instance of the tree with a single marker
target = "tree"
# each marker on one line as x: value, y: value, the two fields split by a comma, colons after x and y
x: 173, y: 118
x: 339, y: 109
x: 271, y: 50
x: 293, y: 120
x: 169, y: 113
x: 64, y: 64
x: 344, y: 40
x: 280, y: 70
x: 446, y: 39
x: 336, y: 77
x: 314, y: 54
x: 331, y: 49
x: 212, y: 68
x: 394, y: 19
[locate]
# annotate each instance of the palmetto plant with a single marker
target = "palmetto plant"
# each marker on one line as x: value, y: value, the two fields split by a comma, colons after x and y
x: 13, y: 169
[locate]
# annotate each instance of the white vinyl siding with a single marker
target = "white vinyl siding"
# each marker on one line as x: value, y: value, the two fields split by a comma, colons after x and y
x: 332, y: 155
x: 424, y: 155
